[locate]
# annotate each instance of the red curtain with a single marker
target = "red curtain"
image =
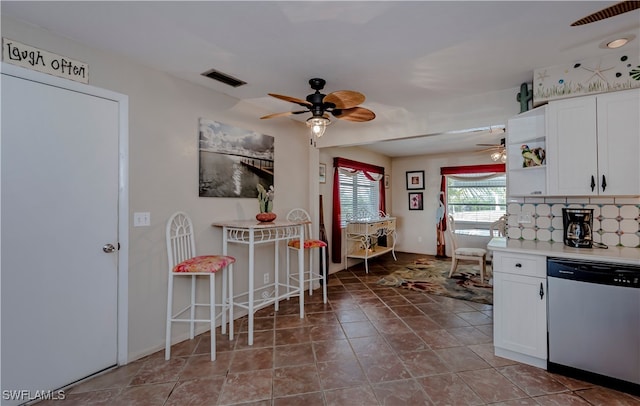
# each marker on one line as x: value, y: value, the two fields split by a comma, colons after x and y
x: 441, y: 227
x: 367, y: 169
x: 456, y: 170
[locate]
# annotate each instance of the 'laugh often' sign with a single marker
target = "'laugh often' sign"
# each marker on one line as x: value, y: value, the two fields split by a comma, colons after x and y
x: 39, y: 60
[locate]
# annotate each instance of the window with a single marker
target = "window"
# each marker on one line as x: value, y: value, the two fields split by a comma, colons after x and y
x: 356, y: 188
x: 357, y: 193
x: 477, y: 199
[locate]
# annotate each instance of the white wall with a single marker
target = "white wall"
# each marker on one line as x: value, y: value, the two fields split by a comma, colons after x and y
x: 163, y: 177
x: 416, y: 225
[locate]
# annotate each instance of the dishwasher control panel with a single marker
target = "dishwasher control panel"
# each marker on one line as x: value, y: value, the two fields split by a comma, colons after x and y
x: 623, y: 280
x: 594, y: 272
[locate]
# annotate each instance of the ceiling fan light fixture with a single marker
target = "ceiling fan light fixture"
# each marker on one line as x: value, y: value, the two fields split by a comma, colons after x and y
x: 499, y: 156
x: 318, y: 125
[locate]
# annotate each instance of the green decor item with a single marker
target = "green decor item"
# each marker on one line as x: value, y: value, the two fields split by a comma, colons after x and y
x: 265, y: 199
x: 532, y: 157
x: 524, y: 97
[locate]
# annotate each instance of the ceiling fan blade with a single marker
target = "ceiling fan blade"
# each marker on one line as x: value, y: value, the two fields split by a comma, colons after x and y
x: 344, y: 99
x: 283, y: 114
x: 301, y: 102
x: 358, y: 114
x: 616, y: 9
x: 494, y: 148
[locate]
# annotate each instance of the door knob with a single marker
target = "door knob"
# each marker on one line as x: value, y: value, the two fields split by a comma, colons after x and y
x: 109, y: 248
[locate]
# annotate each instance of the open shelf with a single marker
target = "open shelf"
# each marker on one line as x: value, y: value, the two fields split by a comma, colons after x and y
x: 529, y: 129
x: 360, y: 235
x: 362, y: 254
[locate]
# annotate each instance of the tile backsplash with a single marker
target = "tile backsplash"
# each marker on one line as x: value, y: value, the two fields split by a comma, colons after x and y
x: 616, y: 221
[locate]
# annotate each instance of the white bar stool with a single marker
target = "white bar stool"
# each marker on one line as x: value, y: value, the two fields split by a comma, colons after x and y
x: 310, y: 244
x: 183, y: 262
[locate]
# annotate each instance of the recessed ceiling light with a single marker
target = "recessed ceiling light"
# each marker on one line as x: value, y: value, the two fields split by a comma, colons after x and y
x: 617, y: 43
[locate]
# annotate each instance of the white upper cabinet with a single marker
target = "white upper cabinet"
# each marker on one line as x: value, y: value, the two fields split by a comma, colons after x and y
x: 619, y: 143
x: 593, y: 145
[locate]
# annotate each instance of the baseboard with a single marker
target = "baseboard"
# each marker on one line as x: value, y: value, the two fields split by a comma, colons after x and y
x: 525, y: 359
x: 200, y: 328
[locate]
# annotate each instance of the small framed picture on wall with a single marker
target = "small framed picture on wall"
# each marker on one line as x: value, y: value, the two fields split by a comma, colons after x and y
x: 323, y: 173
x: 386, y: 181
x: 415, y: 201
x: 415, y: 180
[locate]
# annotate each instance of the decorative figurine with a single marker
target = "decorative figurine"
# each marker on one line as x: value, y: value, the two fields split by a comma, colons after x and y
x: 524, y: 97
x: 532, y: 157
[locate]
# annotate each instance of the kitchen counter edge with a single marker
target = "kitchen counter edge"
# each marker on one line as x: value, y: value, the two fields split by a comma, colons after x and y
x: 620, y: 255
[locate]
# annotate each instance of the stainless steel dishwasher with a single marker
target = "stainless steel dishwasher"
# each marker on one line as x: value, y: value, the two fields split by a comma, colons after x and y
x: 594, y: 322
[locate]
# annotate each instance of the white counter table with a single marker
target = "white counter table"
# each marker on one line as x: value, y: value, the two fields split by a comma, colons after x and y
x: 251, y: 233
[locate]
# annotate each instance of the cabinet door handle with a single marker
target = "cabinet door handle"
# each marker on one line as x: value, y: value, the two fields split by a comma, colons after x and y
x: 593, y: 183
x: 518, y: 265
x: 541, y: 291
x: 604, y: 183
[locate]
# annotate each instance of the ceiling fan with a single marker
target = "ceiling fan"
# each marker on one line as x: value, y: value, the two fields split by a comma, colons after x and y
x: 499, y: 152
x: 612, y: 11
x: 342, y: 104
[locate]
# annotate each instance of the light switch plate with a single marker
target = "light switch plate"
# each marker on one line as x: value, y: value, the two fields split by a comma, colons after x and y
x: 141, y: 219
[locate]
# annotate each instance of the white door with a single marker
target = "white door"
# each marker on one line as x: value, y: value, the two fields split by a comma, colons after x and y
x: 59, y: 208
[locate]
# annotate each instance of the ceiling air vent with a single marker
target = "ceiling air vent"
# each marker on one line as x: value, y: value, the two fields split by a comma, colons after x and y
x: 224, y: 78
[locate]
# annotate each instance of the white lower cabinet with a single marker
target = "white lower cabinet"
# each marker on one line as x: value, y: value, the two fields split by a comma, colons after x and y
x: 520, y: 307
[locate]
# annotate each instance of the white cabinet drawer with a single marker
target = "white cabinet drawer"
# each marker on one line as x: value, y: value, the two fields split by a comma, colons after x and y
x: 520, y: 264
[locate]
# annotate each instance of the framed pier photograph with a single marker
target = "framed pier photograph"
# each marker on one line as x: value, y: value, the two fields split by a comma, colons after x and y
x: 233, y: 161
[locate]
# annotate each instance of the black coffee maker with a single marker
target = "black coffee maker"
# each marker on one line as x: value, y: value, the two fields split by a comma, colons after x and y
x: 578, y: 224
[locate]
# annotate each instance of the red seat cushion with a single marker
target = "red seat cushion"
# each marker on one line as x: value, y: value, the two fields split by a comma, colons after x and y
x: 307, y: 244
x: 204, y: 264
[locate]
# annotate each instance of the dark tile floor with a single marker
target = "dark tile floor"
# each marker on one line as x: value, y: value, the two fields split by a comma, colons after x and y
x: 370, y: 345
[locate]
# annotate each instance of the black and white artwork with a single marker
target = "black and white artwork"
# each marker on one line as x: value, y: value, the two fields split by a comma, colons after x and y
x: 233, y: 161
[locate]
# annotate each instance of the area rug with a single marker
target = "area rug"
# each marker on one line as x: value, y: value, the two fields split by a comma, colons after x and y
x: 431, y: 275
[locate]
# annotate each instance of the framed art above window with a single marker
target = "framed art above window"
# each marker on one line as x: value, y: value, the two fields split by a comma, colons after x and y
x: 415, y: 180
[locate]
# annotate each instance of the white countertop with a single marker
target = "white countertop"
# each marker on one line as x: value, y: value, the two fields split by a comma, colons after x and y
x: 622, y: 255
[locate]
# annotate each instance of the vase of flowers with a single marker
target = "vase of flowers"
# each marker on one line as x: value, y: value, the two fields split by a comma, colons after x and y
x: 265, y: 199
